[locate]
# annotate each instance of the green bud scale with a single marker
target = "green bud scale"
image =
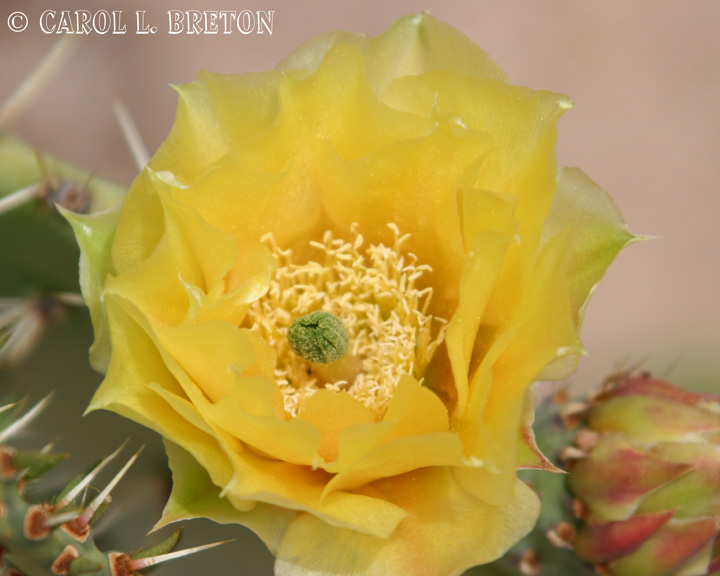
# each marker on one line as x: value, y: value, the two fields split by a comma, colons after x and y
x: 319, y: 337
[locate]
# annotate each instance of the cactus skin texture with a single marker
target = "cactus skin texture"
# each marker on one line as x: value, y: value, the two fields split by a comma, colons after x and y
x: 646, y: 474
x: 55, y: 536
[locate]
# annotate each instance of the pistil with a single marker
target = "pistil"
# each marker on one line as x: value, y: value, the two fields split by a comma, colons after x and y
x: 319, y: 337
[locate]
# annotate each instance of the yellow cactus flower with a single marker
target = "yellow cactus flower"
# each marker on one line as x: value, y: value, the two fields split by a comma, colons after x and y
x: 400, y: 185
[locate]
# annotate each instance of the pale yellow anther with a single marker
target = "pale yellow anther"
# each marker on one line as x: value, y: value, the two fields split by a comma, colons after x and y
x: 373, y: 291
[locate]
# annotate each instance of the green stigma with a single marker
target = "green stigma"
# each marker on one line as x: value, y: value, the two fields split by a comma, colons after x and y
x: 319, y: 337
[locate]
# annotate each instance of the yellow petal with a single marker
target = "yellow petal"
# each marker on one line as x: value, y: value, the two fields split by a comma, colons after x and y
x: 546, y: 330
x: 599, y: 233
x: 412, y: 45
x: 413, y: 184
x: 482, y: 268
x: 488, y: 473
x: 209, y: 122
x: 331, y: 413
x: 398, y: 456
x: 141, y: 224
x: 337, y: 104
x: 413, y: 434
x: 521, y: 161
x: 293, y: 441
x: 301, y: 488
x: 543, y: 332
x: 249, y: 203
x: 485, y: 211
x: 446, y: 531
x: 413, y: 410
x: 94, y: 234
x: 212, y: 354
x: 194, y: 495
x: 208, y: 253
x: 138, y: 385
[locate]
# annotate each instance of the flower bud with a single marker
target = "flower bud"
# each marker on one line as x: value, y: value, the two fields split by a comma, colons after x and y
x: 650, y: 484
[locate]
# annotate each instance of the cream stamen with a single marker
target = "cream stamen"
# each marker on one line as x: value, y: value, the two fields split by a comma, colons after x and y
x: 373, y: 291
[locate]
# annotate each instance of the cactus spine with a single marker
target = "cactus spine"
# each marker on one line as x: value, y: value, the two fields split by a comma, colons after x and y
x: 55, y: 536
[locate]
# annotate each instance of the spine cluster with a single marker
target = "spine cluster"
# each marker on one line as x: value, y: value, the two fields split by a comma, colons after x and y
x: 54, y: 536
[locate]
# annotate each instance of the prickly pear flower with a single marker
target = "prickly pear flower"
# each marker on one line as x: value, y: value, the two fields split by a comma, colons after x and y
x: 649, y: 485
x: 332, y: 289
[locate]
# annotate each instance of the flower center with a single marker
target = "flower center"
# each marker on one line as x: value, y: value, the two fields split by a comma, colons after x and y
x: 371, y: 291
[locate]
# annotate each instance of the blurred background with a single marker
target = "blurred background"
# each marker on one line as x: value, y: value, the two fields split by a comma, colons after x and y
x: 645, y: 77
